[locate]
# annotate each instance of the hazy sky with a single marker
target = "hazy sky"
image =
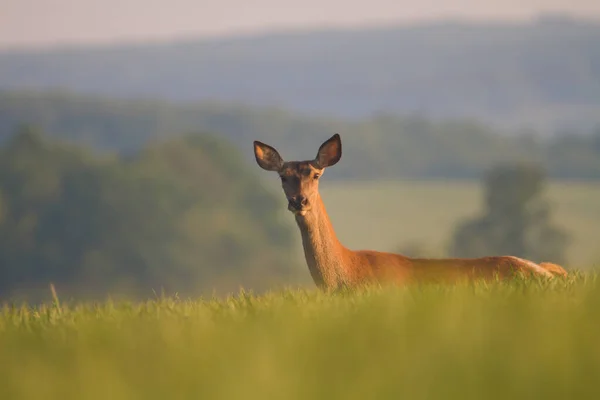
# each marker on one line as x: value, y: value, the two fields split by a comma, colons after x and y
x: 49, y: 22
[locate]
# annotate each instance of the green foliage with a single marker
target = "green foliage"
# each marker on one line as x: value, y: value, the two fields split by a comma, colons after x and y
x: 380, y: 147
x: 181, y: 216
x: 520, y: 339
x: 516, y: 220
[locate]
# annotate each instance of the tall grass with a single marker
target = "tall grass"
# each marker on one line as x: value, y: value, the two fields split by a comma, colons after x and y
x: 521, y: 339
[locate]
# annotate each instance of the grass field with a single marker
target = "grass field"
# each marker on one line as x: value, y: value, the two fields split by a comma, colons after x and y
x: 522, y: 339
x: 387, y: 215
x: 502, y: 340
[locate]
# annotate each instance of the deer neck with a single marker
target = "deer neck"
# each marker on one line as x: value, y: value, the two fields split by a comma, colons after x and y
x: 324, y: 254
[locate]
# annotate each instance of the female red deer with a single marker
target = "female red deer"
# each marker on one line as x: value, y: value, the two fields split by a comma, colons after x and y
x: 333, y: 266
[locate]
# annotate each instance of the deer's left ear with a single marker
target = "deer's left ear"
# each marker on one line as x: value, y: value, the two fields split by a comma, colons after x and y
x: 330, y: 152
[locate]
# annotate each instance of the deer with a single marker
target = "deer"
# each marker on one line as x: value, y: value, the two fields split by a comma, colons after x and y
x: 332, y: 266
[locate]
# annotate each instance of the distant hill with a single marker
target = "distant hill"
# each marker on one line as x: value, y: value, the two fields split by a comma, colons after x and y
x: 544, y: 73
x: 378, y: 147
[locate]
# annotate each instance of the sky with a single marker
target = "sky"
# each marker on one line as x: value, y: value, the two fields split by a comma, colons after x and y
x: 45, y: 23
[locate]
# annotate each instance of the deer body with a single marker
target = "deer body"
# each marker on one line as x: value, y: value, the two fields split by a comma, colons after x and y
x: 333, y: 266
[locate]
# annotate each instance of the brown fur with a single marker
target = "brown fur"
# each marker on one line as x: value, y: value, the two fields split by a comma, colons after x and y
x: 554, y: 268
x: 332, y: 265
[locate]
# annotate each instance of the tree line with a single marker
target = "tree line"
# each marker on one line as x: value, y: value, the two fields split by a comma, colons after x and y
x: 380, y: 147
x: 189, y: 216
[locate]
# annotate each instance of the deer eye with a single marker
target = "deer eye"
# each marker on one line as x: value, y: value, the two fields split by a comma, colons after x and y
x: 283, y: 178
x: 316, y: 176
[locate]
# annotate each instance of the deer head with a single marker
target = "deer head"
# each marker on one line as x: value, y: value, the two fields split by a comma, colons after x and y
x: 300, y: 179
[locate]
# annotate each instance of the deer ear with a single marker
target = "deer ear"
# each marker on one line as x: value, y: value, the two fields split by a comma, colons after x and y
x: 330, y: 152
x: 267, y: 157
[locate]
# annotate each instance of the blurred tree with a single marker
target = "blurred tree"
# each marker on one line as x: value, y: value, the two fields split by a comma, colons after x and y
x: 516, y: 219
x: 185, y: 216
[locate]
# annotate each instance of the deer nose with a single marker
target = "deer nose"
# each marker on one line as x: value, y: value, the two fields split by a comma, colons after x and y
x: 298, y: 202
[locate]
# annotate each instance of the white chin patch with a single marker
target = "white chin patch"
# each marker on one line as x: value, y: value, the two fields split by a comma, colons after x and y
x: 301, y: 213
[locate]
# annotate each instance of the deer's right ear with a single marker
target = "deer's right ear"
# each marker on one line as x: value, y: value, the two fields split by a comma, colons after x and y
x: 267, y: 157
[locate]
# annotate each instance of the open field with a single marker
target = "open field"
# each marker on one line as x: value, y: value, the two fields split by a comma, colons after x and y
x: 522, y: 339
x: 387, y: 215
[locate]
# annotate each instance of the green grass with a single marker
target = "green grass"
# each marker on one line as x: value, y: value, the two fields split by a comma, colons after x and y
x: 521, y: 339
x: 388, y: 215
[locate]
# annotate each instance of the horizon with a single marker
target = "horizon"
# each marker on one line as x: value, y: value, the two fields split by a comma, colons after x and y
x: 291, y: 30
x: 62, y: 23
